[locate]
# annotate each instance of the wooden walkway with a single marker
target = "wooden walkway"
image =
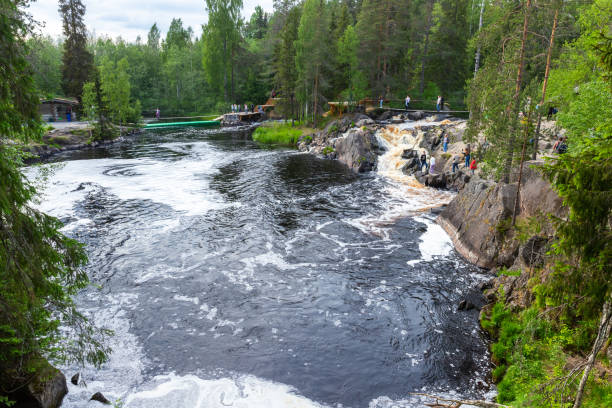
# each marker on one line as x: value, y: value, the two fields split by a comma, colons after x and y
x: 425, y: 111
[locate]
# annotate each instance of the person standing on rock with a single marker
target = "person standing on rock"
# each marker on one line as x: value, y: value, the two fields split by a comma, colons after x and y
x: 381, y: 101
x: 424, y: 161
x: 445, y: 143
x: 432, y: 164
x: 455, y: 163
x: 157, y: 114
x: 438, y: 102
x: 466, y: 153
x: 473, y: 166
x: 407, y: 102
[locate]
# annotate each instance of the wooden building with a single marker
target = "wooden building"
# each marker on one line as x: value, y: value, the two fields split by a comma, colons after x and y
x: 55, y: 109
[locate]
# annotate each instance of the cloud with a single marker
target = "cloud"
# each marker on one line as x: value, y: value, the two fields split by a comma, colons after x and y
x: 132, y: 18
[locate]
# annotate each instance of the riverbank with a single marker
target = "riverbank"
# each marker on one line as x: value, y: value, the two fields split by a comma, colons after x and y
x: 71, y: 138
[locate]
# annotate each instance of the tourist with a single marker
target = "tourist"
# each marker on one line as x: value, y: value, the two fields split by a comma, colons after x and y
x: 68, y: 114
x: 381, y: 101
x: 424, y: 161
x: 407, y: 102
x: 432, y: 164
x: 473, y: 166
x: 438, y: 103
x: 557, y: 143
x: 562, y: 148
x: 157, y: 113
x: 466, y: 152
x: 445, y: 143
x: 455, y: 163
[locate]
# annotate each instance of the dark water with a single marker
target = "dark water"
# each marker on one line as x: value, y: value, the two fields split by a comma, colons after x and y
x: 240, y: 276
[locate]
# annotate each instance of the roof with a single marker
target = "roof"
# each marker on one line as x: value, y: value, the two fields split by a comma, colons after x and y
x: 70, y: 101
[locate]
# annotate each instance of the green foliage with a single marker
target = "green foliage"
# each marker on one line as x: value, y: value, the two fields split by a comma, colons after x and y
x: 41, y: 268
x: 328, y: 150
x: 278, y: 133
x: 77, y: 61
x: 45, y: 57
x: 312, y: 56
x: 530, y: 353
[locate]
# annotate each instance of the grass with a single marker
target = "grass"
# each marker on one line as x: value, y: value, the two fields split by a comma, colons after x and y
x: 279, y: 134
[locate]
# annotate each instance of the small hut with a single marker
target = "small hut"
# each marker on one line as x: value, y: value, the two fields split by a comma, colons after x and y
x: 56, y: 109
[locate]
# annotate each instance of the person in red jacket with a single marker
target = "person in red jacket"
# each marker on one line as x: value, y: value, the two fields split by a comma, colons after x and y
x: 473, y: 166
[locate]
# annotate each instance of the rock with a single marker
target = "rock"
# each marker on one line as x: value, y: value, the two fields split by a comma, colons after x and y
x: 387, y: 115
x: 418, y: 115
x: 75, y: 379
x: 534, y: 250
x: 485, y: 285
x: 465, y: 305
x: 98, y: 396
x: 46, y: 389
x: 364, y: 122
x: 356, y: 150
x: 475, y: 220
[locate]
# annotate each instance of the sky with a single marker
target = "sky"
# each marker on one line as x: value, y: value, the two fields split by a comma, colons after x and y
x: 132, y: 18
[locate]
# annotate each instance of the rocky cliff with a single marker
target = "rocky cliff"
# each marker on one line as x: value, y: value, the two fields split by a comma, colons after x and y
x: 44, y: 388
x: 478, y: 219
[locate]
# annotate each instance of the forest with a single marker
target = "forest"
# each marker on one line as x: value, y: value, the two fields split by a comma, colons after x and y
x: 324, y: 50
x: 508, y: 62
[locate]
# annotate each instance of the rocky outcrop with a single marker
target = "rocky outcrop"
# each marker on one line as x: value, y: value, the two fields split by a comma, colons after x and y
x: 45, y: 389
x: 350, y: 140
x: 478, y: 220
x: 356, y: 150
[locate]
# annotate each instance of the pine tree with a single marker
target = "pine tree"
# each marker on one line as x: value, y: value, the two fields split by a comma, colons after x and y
x: 312, y: 56
x: 286, y: 68
x: 77, y: 60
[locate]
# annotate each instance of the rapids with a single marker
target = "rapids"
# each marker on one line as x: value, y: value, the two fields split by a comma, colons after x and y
x: 240, y: 276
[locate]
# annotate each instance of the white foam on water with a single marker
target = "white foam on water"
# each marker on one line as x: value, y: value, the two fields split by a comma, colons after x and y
x: 179, y: 184
x: 405, y: 195
x: 191, y: 391
x: 435, y: 242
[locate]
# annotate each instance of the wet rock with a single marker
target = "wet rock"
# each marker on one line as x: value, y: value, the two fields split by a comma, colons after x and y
x: 364, y: 122
x: 356, y: 150
x: 485, y: 285
x: 46, y: 389
x: 465, y: 305
x: 75, y: 378
x: 98, y: 396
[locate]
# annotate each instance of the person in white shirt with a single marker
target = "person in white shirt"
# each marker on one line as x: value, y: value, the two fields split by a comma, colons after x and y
x: 408, y: 102
x: 432, y: 164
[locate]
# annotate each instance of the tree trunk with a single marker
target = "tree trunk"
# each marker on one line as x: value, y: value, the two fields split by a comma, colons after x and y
x: 602, y: 336
x: 316, y: 97
x: 520, y: 177
x: 550, y: 48
x: 225, y: 70
x: 430, y: 5
x: 516, y: 98
x: 477, y: 59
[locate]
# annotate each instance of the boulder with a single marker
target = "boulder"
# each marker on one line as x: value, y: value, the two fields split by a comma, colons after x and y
x: 474, y: 219
x: 98, y: 396
x: 356, y: 150
x: 46, y: 389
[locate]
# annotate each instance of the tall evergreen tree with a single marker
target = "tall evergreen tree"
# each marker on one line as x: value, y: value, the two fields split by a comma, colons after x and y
x: 77, y: 60
x: 312, y: 56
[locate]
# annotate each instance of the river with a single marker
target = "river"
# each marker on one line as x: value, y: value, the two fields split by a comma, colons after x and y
x: 235, y: 275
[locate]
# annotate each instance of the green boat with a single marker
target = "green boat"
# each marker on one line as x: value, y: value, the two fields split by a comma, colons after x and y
x: 197, y: 123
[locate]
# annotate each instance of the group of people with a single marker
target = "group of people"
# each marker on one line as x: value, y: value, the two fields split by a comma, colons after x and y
x: 470, y: 162
x: 439, y: 102
x: 236, y: 108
